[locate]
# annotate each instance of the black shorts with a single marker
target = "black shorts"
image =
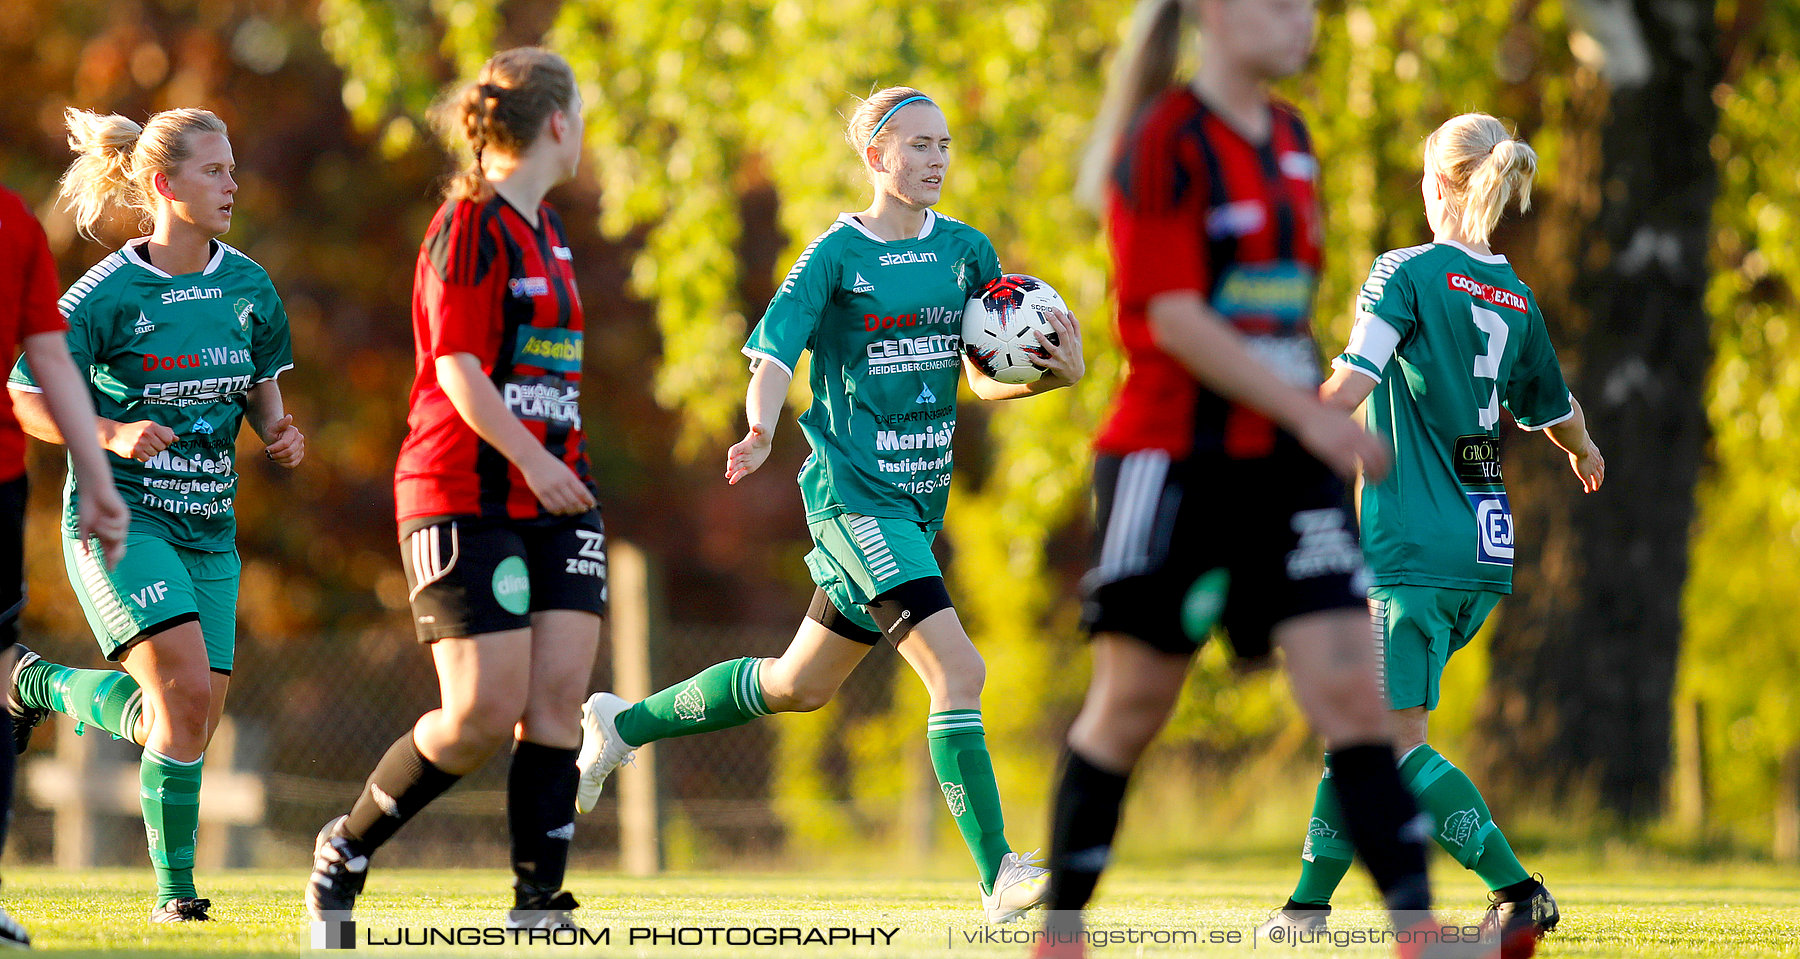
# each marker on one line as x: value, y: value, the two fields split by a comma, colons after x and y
x: 1246, y: 544
x: 468, y: 576
x: 12, y: 559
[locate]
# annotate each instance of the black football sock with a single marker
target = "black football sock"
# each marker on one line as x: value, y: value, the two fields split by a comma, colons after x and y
x: 540, y: 809
x: 1082, y: 825
x: 403, y: 783
x: 1382, y: 819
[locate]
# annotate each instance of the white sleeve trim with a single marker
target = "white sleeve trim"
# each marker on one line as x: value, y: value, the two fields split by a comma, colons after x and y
x: 1342, y: 364
x: 760, y: 355
x: 1374, y: 339
x: 1544, y: 426
x: 274, y: 374
x: 24, y: 387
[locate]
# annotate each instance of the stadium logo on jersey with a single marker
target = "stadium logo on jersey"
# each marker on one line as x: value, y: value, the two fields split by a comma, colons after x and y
x: 193, y: 293
x: 910, y: 256
x: 1240, y: 218
x: 925, y: 395
x: 242, y: 307
x: 143, y: 325
x: 955, y: 798
x: 934, y: 351
x: 1493, y: 528
x: 528, y: 286
x: 1299, y: 166
x: 1483, y: 291
x: 690, y: 703
x: 1459, y: 827
x: 552, y: 349
x: 861, y: 285
x: 562, y: 253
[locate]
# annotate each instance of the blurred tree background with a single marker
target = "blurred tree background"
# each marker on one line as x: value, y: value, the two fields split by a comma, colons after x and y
x: 716, y: 155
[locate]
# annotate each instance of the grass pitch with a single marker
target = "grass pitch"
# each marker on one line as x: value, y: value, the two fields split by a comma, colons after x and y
x: 1610, y: 910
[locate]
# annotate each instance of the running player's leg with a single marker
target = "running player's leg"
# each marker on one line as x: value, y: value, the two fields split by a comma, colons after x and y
x: 1133, y: 689
x: 148, y: 592
x: 940, y: 652
x: 540, y: 784
x: 174, y: 672
x: 1443, y: 621
x: 1151, y: 598
x: 1332, y: 669
x: 470, y: 597
x: 823, y: 653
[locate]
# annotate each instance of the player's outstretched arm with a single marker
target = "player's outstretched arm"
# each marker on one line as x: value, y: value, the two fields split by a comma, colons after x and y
x: 1571, y: 435
x: 282, y: 441
x: 1184, y: 327
x: 65, y: 404
x: 1063, y: 363
x: 479, y: 404
x: 762, y: 406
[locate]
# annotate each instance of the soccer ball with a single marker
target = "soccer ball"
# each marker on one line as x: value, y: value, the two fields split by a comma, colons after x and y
x: 997, y: 325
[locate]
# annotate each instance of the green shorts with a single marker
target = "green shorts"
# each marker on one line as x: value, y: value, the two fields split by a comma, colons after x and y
x: 856, y: 558
x: 1420, y: 628
x: 156, y: 586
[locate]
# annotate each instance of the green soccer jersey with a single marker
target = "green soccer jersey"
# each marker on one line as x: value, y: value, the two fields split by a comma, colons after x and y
x: 1451, y: 336
x: 183, y: 352
x: 883, y: 320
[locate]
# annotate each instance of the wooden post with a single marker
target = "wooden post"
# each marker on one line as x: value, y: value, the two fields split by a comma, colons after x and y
x: 1690, y: 766
x: 636, y: 607
x: 1787, y: 808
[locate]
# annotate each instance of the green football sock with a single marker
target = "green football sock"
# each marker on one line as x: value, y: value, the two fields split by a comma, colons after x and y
x: 107, y: 698
x: 965, y: 773
x: 1327, y: 854
x: 170, y: 797
x: 718, y: 697
x: 1460, y: 819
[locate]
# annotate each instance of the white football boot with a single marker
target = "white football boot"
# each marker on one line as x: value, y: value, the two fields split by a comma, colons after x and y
x: 1019, y: 886
x: 601, y: 748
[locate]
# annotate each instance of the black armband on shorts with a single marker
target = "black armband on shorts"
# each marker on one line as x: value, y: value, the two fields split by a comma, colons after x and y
x: 825, y: 614
x: 899, y: 609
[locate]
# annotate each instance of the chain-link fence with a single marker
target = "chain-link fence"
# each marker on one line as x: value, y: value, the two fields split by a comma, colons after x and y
x: 317, y: 715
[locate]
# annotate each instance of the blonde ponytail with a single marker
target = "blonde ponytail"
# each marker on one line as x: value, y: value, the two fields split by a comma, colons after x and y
x: 100, y: 177
x: 1484, y: 166
x: 1143, y: 68
x: 117, y: 162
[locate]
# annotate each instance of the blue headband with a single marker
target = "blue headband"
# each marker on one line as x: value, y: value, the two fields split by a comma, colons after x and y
x: 885, y: 117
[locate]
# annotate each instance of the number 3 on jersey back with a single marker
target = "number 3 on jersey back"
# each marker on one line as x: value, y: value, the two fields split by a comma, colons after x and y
x: 1487, y: 365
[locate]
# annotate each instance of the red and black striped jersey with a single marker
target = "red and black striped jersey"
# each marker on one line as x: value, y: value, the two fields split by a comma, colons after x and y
x: 1194, y: 206
x: 490, y: 284
x: 28, y: 291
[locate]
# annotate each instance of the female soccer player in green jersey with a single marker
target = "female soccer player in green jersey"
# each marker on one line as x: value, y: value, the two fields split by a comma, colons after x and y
x: 878, y: 298
x: 1446, y: 334
x: 180, y: 338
